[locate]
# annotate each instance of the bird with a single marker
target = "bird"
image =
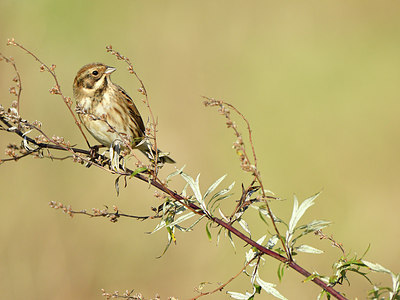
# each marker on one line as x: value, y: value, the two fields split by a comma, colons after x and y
x: 108, y: 113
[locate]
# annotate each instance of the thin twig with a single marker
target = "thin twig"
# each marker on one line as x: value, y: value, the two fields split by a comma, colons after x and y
x: 246, y: 161
x: 323, y: 236
x: 57, y: 88
x: 18, y: 78
x: 113, y: 216
x: 222, y: 286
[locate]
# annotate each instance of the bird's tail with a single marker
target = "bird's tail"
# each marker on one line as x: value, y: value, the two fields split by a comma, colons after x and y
x: 147, y: 148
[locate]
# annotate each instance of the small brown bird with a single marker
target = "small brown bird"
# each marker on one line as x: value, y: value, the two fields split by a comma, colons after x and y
x: 108, y: 112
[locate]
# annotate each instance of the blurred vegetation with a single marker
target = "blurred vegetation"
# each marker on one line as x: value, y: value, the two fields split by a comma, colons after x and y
x: 317, y: 80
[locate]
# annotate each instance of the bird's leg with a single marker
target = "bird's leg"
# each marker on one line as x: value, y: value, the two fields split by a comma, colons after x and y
x: 94, y: 153
x: 94, y: 150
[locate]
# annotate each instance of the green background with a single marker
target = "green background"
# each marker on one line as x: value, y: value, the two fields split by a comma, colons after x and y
x: 318, y: 81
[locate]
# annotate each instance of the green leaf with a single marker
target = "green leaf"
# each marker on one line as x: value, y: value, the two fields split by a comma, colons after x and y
x: 366, y: 251
x: 223, y: 216
x: 316, y: 275
x: 298, y: 211
x: 231, y: 240
x: 265, y: 212
x: 197, y: 221
x: 250, y: 255
x: 167, y: 246
x: 376, y: 267
x: 222, y: 192
x: 281, y: 271
x: 261, y: 240
x: 311, y: 228
x: 261, y: 216
x: 314, y: 226
x: 181, y: 219
x: 244, y: 225
x: 269, y: 288
x: 194, y: 185
x: 213, y: 207
x: 158, y: 227
x: 218, y: 235
x: 208, y: 232
x: 177, y: 172
x: 214, y: 186
x: 184, y: 193
x: 257, y: 288
x: 252, y: 252
x: 138, y: 170
x: 272, y: 242
x: 308, y: 249
x: 240, y: 296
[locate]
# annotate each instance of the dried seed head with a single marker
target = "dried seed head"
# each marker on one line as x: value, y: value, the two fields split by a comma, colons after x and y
x: 11, y: 42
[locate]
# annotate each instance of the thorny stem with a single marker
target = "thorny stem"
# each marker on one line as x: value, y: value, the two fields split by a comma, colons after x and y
x: 198, y: 211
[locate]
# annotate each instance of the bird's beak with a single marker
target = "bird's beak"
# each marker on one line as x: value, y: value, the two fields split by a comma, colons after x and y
x: 109, y: 70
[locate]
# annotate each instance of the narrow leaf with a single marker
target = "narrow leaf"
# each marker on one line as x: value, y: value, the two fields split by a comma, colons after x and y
x: 177, y: 172
x: 208, y: 233
x: 269, y: 288
x: 250, y: 255
x: 298, y: 211
x: 222, y: 192
x: 166, y: 247
x: 261, y: 240
x: 245, y: 226
x: 272, y: 242
x: 138, y: 170
x: 281, y: 271
x: 315, y: 226
x: 308, y: 249
x: 197, y: 221
x: 214, y: 206
x: 158, y: 227
x: 181, y: 219
x: 214, y: 186
x: 240, y: 296
x: 194, y: 185
x: 376, y: 267
x: 222, y: 215
x: 231, y: 240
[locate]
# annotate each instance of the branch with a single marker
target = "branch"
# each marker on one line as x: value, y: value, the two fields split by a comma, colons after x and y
x: 194, y: 208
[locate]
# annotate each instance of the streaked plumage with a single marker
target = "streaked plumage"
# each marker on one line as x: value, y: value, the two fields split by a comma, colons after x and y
x: 99, y: 97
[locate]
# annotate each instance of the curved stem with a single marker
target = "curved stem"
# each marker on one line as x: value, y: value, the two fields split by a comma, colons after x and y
x: 198, y: 211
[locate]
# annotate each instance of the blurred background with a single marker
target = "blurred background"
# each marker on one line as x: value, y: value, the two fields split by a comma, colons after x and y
x: 317, y: 80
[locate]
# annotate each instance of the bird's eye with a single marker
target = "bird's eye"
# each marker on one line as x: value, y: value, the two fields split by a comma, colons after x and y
x: 95, y: 73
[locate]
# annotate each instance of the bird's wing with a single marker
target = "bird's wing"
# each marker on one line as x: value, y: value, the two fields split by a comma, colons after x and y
x: 133, y: 110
